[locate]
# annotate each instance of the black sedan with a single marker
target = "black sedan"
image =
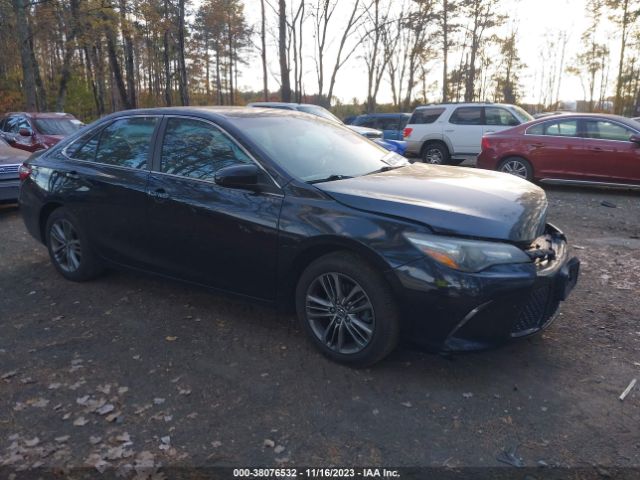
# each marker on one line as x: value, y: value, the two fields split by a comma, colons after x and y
x: 299, y: 212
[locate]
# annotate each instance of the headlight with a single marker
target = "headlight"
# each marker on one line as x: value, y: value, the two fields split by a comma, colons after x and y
x: 466, y: 255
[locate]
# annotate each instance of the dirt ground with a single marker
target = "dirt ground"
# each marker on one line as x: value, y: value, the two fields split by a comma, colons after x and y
x: 132, y: 371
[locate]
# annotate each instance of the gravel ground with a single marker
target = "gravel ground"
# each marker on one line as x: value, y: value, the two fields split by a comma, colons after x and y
x: 132, y: 371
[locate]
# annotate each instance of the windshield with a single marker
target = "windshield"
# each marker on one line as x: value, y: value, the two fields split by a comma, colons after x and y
x: 313, y: 150
x: 319, y: 112
x: 57, y: 126
x: 522, y: 114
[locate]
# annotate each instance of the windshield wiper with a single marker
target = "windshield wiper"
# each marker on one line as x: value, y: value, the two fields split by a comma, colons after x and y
x: 385, y: 169
x: 330, y: 178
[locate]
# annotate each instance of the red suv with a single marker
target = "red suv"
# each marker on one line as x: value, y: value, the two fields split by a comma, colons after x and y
x: 568, y: 149
x: 35, y: 131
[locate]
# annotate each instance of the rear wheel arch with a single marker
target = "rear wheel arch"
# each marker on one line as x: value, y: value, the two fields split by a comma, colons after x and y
x: 45, y: 213
x: 442, y: 144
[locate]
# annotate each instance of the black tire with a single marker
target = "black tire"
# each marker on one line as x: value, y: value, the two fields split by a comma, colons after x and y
x: 435, y: 153
x: 517, y: 166
x: 75, y: 261
x: 382, y: 318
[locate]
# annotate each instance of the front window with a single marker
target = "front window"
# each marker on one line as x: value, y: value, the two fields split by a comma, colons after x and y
x: 521, y: 114
x: 605, y: 130
x: 499, y: 116
x: 313, y: 150
x: 57, y: 126
x: 196, y: 149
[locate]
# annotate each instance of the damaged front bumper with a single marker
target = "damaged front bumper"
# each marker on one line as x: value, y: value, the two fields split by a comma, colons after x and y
x: 451, y: 310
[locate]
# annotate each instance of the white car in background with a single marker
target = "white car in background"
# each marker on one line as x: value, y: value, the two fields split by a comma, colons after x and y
x: 449, y: 133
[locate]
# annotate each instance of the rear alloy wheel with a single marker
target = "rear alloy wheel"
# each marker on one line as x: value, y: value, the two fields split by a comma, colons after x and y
x: 435, y: 154
x: 69, y: 248
x: 347, y: 310
x: 517, y: 166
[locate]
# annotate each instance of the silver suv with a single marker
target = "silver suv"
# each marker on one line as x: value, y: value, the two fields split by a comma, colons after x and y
x: 449, y: 133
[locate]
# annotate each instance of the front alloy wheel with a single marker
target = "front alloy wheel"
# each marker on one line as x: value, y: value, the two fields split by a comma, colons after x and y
x: 347, y: 309
x: 340, y: 313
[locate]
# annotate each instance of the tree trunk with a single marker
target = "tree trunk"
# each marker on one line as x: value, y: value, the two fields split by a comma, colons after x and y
x: 28, y: 75
x: 70, y: 47
x: 445, y: 50
x: 115, y: 69
x: 618, y: 107
x: 182, y: 66
x: 263, y: 53
x: 128, y: 54
x: 285, y: 89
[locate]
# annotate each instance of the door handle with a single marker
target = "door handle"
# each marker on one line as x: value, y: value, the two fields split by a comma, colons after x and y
x: 158, y: 193
x: 450, y: 130
x: 537, y: 145
x: 597, y: 149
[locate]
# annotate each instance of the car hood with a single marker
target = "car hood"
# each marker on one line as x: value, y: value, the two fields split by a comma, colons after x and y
x: 11, y: 156
x: 450, y: 200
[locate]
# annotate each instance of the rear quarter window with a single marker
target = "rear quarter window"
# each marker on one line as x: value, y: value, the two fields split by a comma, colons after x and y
x: 426, y: 115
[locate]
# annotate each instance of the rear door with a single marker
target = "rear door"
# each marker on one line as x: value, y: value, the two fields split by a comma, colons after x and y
x: 464, y: 130
x: 609, y: 155
x: 555, y: 149
x: 105, y: 181
x: 391, y: 127
x: 203, y: 232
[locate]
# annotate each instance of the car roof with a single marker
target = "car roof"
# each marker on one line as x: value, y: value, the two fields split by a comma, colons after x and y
x: 41, y: 114
x: 464, y: 104
x: 567, y: 116
x: 213, y: 112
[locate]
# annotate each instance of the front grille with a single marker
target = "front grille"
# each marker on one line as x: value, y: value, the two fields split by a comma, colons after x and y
x: 539, y: 309
x: 6, y: 169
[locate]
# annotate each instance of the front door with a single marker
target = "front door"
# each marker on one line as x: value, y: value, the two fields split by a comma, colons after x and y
x: 202, y: 232
x: 609, y: 155
x: 555, y: 149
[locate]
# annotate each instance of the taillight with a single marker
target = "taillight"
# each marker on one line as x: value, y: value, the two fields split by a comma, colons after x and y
x: 407, y: 132
x: 24, y: 171
x: 485, y: 143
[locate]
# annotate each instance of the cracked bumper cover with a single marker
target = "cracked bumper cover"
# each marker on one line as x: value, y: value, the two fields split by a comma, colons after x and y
x: 452, y: 311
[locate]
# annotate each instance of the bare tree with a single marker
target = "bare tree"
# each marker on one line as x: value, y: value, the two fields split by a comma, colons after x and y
x: 263, y: 51
x: 285, y: 84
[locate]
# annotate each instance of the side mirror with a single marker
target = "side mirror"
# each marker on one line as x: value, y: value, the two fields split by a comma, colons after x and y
x: 635, y: 139
x: 238, y: 176
x: 25, y: 132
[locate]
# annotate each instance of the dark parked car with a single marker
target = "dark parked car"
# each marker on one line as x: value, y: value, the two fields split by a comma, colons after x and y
x: 37, y: 131
x: 365, y: 246
x: 568, y: 149
x: 391, y: 124
x: 10, y: 161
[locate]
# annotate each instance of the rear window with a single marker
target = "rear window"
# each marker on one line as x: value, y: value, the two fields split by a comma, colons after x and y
x: 426, y: 115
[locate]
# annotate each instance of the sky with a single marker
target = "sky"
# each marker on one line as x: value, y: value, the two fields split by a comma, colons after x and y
x: 533, y: 19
